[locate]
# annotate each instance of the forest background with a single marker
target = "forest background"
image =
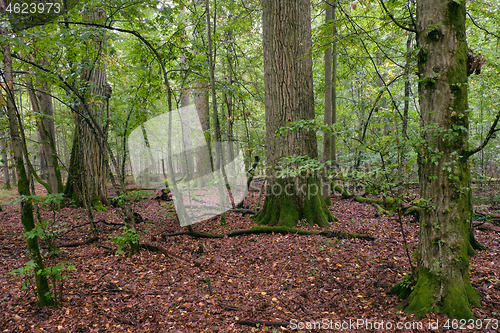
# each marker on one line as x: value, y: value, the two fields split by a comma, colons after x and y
x: 80, y: 76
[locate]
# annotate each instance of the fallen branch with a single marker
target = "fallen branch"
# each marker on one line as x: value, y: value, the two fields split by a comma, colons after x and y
x: 486, y: 226
x: 119, y: 320
x: 158, y: 249
x: 381, y: 211
x: 272, y: 229
x: 88, y: 223
x: 243, y: 211
x: 263, y: 322
x: 387, y: 201
x: 76, y: 244
x: 487, y: 217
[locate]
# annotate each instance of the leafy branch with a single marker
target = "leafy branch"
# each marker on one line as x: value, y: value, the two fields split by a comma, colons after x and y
x: 491, y: 135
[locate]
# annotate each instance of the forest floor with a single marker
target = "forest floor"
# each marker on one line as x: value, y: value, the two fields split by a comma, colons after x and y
x: 214, y: 285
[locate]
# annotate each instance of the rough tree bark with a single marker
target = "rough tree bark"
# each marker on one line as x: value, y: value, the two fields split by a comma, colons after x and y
x: 289, y: 97
x: 443, y: 282
x: 88, y: 166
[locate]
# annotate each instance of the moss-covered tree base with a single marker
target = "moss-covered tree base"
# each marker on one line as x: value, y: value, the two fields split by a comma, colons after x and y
x: 474, y: 244
x: 98, y: 205
x: 430, y: 294
x: 284, y: 210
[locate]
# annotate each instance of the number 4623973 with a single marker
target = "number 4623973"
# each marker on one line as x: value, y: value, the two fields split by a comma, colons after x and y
x: 34, y: 8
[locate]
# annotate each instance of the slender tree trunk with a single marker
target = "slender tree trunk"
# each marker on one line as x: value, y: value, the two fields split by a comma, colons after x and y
x: 41, y: 102
x: 443, y: 282
x: 229, y: 92
x: 329, y: 151
x: 380, y: 84
x: 330, y: 118
x: 42, y: 286
x: 5, y: 160
x: 406, y: 109
x: 289, y: 97
x: 333, y: 147
x: 218, y: 160
x: 327, y: 141
x: 220, y: 156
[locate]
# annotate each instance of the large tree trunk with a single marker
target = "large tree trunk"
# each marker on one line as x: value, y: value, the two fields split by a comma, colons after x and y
x: 289, y: 97
x: 443, y: 282
x: 42, y: 286
x: 88, y: 164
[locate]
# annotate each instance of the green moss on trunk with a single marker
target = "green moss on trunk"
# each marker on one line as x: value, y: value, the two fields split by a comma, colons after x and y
x: 42, y: 285
x: 286, y: 209
x: 278, y: 210
x: 98, y: 205
x: 316, y: 211
x: 452, y: 297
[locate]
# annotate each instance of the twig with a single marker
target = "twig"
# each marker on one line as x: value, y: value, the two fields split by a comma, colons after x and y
x: 489, y: 136
x: 481, y: 28
x: 157, y: 249
x: 263, y: 322
x: 394, y: 20
x: 76, y: 244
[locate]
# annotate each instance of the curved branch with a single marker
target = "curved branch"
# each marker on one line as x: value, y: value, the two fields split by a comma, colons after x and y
x: 480, y: 27
x: 158, y: 57
x: 489, y: 136
x: 394, y: 19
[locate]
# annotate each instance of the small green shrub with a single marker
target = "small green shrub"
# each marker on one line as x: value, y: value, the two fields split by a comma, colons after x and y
x: 128, y: 238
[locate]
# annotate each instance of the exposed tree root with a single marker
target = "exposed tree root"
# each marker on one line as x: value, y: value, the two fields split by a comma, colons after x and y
x: 117, y: 319
x: 379, y: 204
x: 158, y: 249
x: 243, y: 211
x: 76, y: 244
x: 487, y: 217
x: 486, y: 226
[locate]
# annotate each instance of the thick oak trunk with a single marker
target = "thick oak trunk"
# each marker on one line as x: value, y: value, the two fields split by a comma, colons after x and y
x: 88, y: 164
x: 289, y: 97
